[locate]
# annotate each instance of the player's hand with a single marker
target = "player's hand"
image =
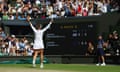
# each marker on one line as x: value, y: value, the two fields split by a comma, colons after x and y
x: 51, y: 21
x: 28, y: 18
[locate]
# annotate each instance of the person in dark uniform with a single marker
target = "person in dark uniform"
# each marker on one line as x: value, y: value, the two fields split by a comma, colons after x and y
x: 100, y: 51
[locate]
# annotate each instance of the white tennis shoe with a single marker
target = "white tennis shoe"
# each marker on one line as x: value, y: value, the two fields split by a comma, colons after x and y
x: 103, y: 64
x: 98, y: 64
x: 41, y: 66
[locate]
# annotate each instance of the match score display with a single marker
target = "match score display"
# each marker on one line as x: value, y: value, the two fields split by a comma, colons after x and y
x: 69, y: 39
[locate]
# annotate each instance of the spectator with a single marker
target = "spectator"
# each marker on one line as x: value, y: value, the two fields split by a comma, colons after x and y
x: 1, y: 14
x: 49, y: 10
x: 53, y: 15
x: 62, y: 12
x: 38, y: 3
x: 12, y: 45
x: 5, y: 7
x: 110, y: 44
x: 2, y: 34
x: 5, y: 16
x: 22, y: 47
x: 115, y: 42
x: 104, y: 7
x: 29, y: 50
x: 11, y: 17
x: 21, y: 17
x: 17, y: 47
x: 79, y: 10
x: 59, y: 4
x: 67, y: 11
x: 3, y: 47
x: 90, y: 49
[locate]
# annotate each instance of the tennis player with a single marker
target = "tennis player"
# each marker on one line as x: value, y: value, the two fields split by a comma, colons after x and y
x: 38, y: 45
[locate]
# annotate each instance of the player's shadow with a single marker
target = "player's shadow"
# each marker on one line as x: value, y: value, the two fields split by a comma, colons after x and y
x: 28, y: 66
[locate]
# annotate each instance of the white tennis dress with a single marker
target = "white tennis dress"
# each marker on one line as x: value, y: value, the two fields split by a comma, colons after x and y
x: 38, y: 41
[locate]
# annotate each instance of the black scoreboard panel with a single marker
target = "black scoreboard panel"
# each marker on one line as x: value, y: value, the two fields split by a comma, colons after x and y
x: 69, y: 38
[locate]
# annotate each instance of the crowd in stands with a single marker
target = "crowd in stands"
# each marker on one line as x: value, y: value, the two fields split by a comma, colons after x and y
x: 19, y: 9
x: 13, y: 46
x: 113, y: 43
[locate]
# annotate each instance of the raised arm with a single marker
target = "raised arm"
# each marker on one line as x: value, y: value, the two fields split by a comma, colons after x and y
x: 34, y: 29
x: 28, y: 19
x: 48, y: 26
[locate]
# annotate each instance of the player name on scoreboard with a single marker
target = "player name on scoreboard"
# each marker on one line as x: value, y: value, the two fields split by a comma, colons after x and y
x: 53, y: 36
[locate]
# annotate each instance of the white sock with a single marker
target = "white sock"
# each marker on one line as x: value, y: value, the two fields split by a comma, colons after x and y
x: 41, y: 63
x: 33, y: 61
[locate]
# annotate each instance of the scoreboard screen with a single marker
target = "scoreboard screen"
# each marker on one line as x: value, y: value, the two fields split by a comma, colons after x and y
x: 69, y: 38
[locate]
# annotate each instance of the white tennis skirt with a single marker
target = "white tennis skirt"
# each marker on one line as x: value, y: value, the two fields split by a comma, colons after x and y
x: 38, y: 44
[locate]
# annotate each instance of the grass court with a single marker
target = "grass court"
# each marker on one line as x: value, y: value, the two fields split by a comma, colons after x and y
x: 59, y: 68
